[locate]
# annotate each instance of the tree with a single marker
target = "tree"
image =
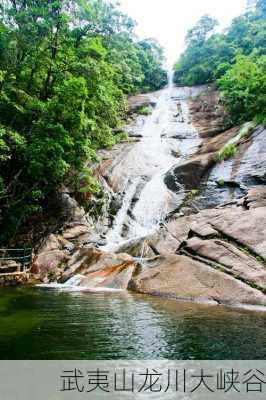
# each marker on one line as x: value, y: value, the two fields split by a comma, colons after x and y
x: 66, y: 67
x: 201, y: 31
x: 236, y: 58
x: 244, y: 88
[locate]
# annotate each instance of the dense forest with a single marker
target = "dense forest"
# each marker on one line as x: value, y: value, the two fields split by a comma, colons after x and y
x: 235, y: 60
x: 66, y: 69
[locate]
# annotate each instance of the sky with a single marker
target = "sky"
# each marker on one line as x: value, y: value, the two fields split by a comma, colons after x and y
x: 169, y: 20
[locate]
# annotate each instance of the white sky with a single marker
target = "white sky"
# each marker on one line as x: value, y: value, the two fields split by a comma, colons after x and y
x: 169, y: 20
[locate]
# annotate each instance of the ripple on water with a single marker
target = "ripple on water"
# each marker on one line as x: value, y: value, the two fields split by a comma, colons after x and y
x: 124, y: 325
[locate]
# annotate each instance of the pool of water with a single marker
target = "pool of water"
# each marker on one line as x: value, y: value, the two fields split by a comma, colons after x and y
x: 45, y: 324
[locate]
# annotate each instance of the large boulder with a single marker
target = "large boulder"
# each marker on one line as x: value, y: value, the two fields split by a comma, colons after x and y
x: 189, y: 173
x: 77, y: 233
x: 93, y: 264
x: 51, y: 257
x: 182, y: 278
x: 247, y: 228
x: 228, y: 257
x: 49, y: 264
x: 256, y: 197
x: 142, y: 100
x: 208, y: 113
x: 114, y: 277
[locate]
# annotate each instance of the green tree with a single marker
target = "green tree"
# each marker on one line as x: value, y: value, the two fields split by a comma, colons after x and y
x: 66, y: 67
x: 201, y: 31
x: 244, y: 88
x: 225, y: 56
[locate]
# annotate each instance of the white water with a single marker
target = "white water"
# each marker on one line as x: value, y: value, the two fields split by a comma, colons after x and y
x: 73, y: 285
x: 149, y: 160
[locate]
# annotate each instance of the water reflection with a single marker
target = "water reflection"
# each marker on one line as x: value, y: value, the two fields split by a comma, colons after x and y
x: 124, y: 325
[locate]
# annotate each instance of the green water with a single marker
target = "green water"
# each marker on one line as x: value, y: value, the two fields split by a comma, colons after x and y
x: 41, y: 324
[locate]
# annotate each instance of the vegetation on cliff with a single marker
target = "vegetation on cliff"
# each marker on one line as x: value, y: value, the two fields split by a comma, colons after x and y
x: 235, y: 59
x: 66, y: 67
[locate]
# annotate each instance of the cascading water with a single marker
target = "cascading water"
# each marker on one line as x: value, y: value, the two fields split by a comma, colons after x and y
x: 159, y: 149
x: 75, y: 284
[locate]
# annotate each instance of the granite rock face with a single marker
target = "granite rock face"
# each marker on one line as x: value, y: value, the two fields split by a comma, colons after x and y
x: 182, y: 278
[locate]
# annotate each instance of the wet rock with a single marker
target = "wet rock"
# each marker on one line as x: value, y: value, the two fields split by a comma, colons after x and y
x: 175, y: 153
x: 139, y: 247
x: 182, y: 278
x: 172, y: 183
x: 142, y: 100
x: 228, y: 183
x: 88, y: 259
x: 114, y: 277
x: 115, y: 205
x: 71, y: 209
x: 249, y: 166
x: 189, y: 173
x: 179, y: 136
x: 135, y: 135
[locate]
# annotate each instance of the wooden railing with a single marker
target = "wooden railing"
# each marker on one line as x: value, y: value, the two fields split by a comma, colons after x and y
x: 15, y: 261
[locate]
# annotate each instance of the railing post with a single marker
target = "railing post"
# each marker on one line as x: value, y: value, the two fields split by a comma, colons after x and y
x: 23, y: 256
x: 23, y: 262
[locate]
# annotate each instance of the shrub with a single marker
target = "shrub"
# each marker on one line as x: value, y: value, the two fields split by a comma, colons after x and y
x: 229, y: 150
x: 145, y: 110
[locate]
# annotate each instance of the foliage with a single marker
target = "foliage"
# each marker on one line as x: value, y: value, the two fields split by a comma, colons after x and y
x: 145, y: 110
x: 244, y: 88
x: 220, y: 182
x: 236, y: 58
x: 66, y: 67
x: 229, y: 150
x: 247, y: 129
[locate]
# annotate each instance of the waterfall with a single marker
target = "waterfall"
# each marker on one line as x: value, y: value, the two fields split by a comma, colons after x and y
x: 148, y: 161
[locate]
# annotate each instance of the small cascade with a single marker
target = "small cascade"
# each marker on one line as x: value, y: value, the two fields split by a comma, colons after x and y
x: 115, y: 235
x: 71, y: 285
x: 114, y: 278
